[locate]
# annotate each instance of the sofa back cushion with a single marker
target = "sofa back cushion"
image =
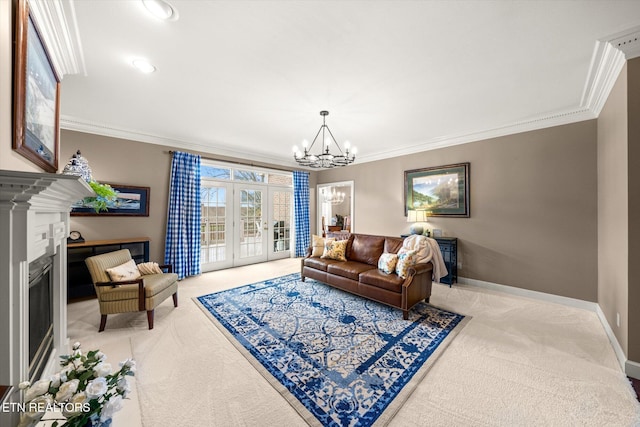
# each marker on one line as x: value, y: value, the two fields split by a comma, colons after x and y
x: 393, y: 244
x: 366, y: 249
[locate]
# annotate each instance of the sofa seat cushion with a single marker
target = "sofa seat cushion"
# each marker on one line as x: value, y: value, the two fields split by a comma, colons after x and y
x: 319, y: 263
x: 375, y: 277
x: 153, y: 284
x: 349, y: 269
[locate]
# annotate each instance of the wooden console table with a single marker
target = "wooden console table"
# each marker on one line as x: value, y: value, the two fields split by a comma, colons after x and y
x: 79, y: 284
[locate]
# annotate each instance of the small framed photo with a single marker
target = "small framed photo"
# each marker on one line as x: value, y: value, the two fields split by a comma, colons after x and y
x: 441, y: 191
x: 36, y: 94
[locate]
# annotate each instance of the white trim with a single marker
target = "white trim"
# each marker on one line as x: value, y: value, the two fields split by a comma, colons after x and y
x: 557, y: 299
x: 213, y: 147
x: 632, y: 369
x: 628, y: 42
x: 628, y: 367
x: 606, y: 64
x: 58, y: 26
x: 612, y: 339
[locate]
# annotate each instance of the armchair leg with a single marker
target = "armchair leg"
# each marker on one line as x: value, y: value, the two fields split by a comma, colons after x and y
x: 175, y: 299
x: 405, y: 314
x: 150, y: 318
x: 103, y: 322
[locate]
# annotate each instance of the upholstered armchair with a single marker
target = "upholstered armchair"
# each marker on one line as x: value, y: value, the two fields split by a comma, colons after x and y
x: 143, y: 293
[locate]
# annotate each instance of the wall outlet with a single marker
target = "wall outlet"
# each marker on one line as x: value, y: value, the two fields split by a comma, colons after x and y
x: 459, y: 266
x: 618, y: 319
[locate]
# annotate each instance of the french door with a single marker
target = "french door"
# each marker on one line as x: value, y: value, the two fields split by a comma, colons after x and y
x: 216, y: 231
x: 244, y: 223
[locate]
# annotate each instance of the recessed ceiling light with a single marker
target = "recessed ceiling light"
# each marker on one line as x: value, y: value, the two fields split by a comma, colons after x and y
x: 143, y: 66
x: 161, y: 9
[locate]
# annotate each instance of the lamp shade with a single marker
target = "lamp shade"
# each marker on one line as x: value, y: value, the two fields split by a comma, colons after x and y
x: 416, y: 217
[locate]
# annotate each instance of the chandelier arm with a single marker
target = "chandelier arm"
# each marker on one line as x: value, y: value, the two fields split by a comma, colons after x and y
x: 334, y: 140
x: 316, y: 137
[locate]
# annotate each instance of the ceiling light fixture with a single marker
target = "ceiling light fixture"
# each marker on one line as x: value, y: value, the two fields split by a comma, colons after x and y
x: 334, y: 197
x: 143, y: 66
x: 325, y: 159
x: 161, y: 9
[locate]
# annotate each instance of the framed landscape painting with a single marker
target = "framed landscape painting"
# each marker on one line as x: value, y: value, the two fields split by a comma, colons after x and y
x: 131, y: 201
x: 441, y: 191
x: 37, y: 95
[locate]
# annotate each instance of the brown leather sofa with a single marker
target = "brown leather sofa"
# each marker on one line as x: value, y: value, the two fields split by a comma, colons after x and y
x: 360, y: 275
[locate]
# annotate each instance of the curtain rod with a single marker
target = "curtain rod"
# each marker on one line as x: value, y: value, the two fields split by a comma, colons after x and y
x: 238, y: 163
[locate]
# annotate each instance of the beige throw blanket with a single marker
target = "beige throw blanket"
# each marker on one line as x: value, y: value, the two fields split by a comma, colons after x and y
x: 428, y: 250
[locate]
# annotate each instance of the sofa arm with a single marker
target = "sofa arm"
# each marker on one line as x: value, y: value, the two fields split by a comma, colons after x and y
x: 424, y: 267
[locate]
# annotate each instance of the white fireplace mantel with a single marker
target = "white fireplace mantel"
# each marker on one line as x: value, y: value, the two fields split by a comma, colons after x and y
x: 34, y: 222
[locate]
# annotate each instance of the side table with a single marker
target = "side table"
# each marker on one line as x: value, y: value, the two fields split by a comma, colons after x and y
x: 449, y: 249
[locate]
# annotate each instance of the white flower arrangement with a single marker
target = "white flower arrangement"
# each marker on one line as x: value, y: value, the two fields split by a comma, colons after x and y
x: 86, y: 391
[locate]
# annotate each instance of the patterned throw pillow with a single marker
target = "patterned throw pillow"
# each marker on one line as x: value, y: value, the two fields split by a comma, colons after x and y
x: 318, y: 245
x: 406, y: 258
x: 149, y: 268
x: 126, y: 271
x: 387, y: 263
x: 335, y: 249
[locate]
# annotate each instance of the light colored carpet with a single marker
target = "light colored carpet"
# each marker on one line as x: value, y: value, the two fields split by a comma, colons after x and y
x: 517, y: 362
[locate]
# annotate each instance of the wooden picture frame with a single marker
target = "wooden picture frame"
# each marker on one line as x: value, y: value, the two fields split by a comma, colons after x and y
x: 36, y: 95
x: 132, y: 201
x: 441, y: 191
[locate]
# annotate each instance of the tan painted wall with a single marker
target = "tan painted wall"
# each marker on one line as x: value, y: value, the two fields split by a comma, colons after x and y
x: 533, y: 207
x: 633, y: 98
x: 612, y: 210
x: 124, y: 162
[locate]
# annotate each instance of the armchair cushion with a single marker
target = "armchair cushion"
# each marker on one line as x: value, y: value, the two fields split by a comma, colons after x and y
x: 126, y: 271
x: 153, y: 284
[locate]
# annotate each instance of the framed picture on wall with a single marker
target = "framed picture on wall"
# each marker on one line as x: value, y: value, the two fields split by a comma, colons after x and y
x: 441, y: 190
x: 36, y: 95
x: 131, y: 201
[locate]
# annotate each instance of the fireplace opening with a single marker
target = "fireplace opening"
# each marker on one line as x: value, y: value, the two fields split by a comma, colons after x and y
x: 40, y: 315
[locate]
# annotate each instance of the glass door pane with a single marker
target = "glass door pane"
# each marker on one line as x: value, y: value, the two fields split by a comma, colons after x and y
x: 217, y: 219
x: 251, y: 244
x: 280, y: 215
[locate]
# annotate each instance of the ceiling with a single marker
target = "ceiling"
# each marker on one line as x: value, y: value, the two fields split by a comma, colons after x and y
x: 249, y: 78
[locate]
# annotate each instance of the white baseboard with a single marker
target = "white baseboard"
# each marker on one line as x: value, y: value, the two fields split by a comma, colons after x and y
x: 629, y: 367
x: 632, y: 369
x: 622, y: 359
x: 571, y: 302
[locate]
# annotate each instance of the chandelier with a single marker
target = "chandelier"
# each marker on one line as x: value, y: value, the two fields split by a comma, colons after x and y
x: 334, y: 197
x: 324, y: 159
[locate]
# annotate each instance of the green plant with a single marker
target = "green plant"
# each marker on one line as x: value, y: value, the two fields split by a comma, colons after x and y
x: 104, y: 194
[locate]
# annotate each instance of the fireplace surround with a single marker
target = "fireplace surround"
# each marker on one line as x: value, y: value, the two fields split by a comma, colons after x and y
x: 34, y: 224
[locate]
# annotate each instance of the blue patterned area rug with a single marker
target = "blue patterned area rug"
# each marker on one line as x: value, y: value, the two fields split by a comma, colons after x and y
x: 339, y: 359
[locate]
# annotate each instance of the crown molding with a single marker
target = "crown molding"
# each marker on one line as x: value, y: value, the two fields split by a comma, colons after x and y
x: 80, y: 125
x: 628, y: 42
x: 56, y: 20
x: 546, y: 121
x: 609, y: 57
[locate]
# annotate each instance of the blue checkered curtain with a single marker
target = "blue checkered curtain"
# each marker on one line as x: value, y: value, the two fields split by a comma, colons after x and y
x: 301, y: 211
x: 182, y: 247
